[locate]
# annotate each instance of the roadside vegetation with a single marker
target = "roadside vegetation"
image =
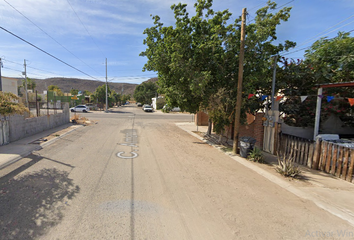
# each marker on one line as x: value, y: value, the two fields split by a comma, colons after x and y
x: 9, y: 104
x: 197, y: 61
x: 256, y: 155
x: 287, y: 167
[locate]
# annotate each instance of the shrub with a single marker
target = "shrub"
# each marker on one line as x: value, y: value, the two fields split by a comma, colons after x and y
x: 287, y: 167
x: 160, y: 103
x: 255, y: 155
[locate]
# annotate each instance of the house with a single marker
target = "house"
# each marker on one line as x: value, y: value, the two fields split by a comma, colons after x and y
x: 9, y: 85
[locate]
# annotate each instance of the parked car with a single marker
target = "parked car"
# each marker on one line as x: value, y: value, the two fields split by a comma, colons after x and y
x: 147, y: 108
x: 139, y: 104
x: 80, y: 108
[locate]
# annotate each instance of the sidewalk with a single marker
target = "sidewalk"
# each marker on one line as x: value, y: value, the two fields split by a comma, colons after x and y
x: 326, y: 191
x: 14, y: 151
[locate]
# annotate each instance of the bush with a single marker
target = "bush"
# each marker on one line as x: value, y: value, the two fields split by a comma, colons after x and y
x: 160, y: 103
x: 255, y: 155
x: 287, y: 167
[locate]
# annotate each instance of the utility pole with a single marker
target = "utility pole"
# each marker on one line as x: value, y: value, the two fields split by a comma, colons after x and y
x: 239, y: 85
x: 106, y: 89
x: 25, y: 73
x: 273, y: 82
x: 0, y: 75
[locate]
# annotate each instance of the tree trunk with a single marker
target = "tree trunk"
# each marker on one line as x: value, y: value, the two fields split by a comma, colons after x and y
x: 209, y: 127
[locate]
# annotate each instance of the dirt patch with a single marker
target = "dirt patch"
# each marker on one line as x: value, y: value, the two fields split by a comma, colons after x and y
x: 77, y: 119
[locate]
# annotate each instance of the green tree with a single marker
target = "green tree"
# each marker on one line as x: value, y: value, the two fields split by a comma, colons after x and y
x: 31, y: 84
x: 160, y: 102
x: 74, y: 92
x: 100, y: 94
x: 87, y: 93
x: 187, y: 57
x: 145, y: 92
x: 56, y: 89
x: 332, y: 60
x: 327, y: 61
x: 198, y: 59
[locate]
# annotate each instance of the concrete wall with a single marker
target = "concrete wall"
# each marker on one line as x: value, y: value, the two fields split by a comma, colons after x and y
x: 21, y: 127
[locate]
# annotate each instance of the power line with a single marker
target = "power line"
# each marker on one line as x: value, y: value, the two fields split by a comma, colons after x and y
x: 325, y: 31
x: 84, y: 27
x: 318, y: 37
x: 271, y: 9
x: 46, y: 53
x: 48, y: 35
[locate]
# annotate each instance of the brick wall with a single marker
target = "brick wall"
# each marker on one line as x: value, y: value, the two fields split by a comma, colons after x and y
x: 254, y: 129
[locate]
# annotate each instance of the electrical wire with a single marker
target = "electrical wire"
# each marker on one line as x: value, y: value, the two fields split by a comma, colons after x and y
x: 47, y: 53
x: 115, y: 78
x: 271, y: 9
x: 85, y: 27
x: 317, y: 38
x: 49, y: 35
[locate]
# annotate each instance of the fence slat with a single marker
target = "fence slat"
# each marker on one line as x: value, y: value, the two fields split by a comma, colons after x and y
x: 335, y: 159
x: 317, y: 154
x: 286, y: 146
x: 297, y: 150
x: 340, y: 161
x: 324, y: 155
x: 329, y: 158
x: 306, y: 153
x: 291, y: 154
x: 310, y: 155
x: 351, y: 166
x: 302, y: 150
x: 345, y: 163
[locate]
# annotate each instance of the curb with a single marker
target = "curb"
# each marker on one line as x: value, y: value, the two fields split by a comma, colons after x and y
x: 57, y: 138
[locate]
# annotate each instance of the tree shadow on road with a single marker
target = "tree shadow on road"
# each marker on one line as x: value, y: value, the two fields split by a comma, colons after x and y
x: 32, y: 203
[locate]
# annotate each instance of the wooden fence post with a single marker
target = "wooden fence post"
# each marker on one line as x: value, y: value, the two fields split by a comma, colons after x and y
x: 340, y: 161
x: 335, y: 159
x: 324, y: 155
x: 317, y: 155
x: 345, y: 163
x: 310, y: 157
x: 351, y: 166
x: 329, y: 158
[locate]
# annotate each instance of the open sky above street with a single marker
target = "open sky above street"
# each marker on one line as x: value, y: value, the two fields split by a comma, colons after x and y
x: 83, y: 33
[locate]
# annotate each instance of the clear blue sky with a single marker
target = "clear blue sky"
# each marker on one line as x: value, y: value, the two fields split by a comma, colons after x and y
x: 83, y: 33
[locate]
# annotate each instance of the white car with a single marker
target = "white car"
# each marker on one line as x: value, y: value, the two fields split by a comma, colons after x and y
x: 147, y: 108
x: 79, y: 108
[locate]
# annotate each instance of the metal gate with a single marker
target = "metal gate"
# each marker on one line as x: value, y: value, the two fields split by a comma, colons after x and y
x: 270, y: 131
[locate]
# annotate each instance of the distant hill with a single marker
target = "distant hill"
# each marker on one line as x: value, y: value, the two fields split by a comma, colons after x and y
x: 66, y: 84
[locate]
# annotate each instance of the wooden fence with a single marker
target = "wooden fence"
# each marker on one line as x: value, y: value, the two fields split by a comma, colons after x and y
x: 324, y: 156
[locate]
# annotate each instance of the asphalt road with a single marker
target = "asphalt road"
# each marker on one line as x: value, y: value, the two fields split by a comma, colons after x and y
x: 136, y: 175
